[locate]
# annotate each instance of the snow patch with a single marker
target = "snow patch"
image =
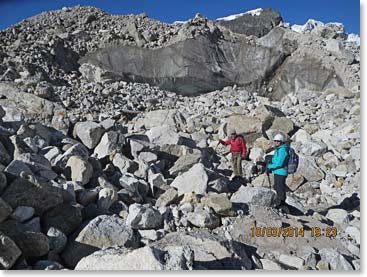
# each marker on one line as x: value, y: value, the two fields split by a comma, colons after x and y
x: 179, y: 22
x: 307, y: 27
x: 255, y: 12
x: 354, y: 38
x: 312, y: 24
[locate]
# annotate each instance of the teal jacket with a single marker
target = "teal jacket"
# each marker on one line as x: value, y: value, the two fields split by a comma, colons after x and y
x: 279, y: 161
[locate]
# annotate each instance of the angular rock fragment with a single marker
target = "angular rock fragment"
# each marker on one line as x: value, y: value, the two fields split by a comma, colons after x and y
x: 89, y: 133
x: 194, y: 180
x: 143, y: 217
x: 102, y: 232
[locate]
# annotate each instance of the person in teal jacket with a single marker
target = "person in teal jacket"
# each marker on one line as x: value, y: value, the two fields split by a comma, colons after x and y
x: 278, y: 167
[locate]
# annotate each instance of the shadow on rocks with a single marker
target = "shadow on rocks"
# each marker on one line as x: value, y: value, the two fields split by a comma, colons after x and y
x: 348, y: 204
x: 241, y: 208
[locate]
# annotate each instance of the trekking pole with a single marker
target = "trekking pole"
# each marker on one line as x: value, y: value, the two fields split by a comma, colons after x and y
x: 267, y: 173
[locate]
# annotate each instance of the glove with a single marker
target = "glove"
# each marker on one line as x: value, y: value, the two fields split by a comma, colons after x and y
x: 261, y: 169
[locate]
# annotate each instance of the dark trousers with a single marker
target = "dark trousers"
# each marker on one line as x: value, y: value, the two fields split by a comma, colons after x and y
x: 279, y: 186
x: 237, y: 164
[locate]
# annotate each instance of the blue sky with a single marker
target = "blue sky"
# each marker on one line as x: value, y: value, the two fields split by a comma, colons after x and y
x: 293, y: 11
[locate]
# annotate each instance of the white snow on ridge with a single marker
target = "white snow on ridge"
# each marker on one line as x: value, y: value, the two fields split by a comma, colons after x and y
x: 230, y: 17
x: 179, y: 22
x: 307, y: 27
x: 339, y: 27
x: 354, y: 38
x: 312, y: 24
x: 255, y: 12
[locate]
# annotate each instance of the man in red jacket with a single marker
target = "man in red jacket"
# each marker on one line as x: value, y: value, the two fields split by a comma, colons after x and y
x: 238, y: 150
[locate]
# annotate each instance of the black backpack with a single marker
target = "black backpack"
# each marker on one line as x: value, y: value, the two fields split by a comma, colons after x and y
x: 293, y: 161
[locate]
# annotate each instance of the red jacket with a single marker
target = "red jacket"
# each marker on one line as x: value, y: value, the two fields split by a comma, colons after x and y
x: 238, y: 145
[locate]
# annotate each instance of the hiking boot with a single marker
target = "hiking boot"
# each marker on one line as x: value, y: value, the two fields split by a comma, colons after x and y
x: 283, y: 209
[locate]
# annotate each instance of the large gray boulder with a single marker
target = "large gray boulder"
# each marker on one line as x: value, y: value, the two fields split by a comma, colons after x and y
x: 254, y: 196
x: 35, y: 162
x: 20, y: 105
x: 200, y: 64
x: 143, y: 217
x: 341, y: 92
x: 57, y: 240
x: 102, y: 232
x: 159, y: 118
x: 157, y: 183
x: 111, y: 142
x: 33, y: 244
x: 95, y: 74
x: 16, y: 167
x: 145, y: 258
x: 219, y: 202
x: 141, y: 144
x: 50, y: 153
x: 283, y: 125
x: 106, y: 197
x: 194, y: 180
x: 314, y: 148
x: 270, y: 265
x: 267, y: 113
x: 338, y: 216
x: 309, y: 169
x: 137, y: 188
x: 248, y: 126
x: 335, y: 259
x: 293, y: 202
x: 354, y: 232
x: 86, y: 197
x: 261, y: 181
x: 301, y: 73
x: 64, y: 217
x: 292, y: 261
x: 163, y: 135
x: 29, y: 240
x: 75, y: 150
x: 302, y: 136
x: 210, y: 251
x: 184, y: 163
x: 89, y: 133
x: 167, y: 198
x: 124, y: 164
x: 203, y: 218
x: 81, y: 169
x: 42, y: 196
x: 147, y: 157
x: 253, y: 24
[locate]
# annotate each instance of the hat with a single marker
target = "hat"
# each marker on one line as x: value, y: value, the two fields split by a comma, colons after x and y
x: 278, y: 137
x: 232, y: 131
